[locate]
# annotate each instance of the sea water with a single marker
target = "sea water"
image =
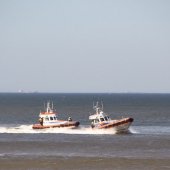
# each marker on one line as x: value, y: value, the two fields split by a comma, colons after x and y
x: 146, y: 146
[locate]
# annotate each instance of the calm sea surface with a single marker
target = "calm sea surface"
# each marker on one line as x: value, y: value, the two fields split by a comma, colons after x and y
x: 146, y: 147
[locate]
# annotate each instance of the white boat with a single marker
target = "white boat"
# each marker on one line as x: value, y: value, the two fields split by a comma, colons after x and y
x: 101, y: 120
x: 48, y: 119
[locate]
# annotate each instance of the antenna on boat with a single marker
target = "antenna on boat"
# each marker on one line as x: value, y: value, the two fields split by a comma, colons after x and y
x: 102, y: 104
x: 97, y: 104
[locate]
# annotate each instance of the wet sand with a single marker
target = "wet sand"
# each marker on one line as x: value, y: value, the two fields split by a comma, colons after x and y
x: 83, y: 163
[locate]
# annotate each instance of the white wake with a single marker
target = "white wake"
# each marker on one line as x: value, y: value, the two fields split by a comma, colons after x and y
x: 65, y: 130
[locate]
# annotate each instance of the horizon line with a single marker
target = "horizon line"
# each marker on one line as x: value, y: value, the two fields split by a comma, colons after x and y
x: 37, y: 92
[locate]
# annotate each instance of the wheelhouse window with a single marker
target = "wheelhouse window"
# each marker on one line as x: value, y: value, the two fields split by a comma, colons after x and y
x: 96, y: 120
x: 46, y: 118
x: 102, y: 119
x: 51, y: 118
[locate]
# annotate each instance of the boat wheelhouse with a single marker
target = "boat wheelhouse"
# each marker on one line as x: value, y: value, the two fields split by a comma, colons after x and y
x: 101, y: 120
x: 49, y: 119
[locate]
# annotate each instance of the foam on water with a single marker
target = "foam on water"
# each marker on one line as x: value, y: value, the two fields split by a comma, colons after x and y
x: 84, y: 129
x: 157, y: 130
x: 28, y: 129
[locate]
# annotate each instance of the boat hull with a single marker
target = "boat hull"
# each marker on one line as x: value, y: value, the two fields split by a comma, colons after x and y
x: 121, y: 125
x: 72, y: 124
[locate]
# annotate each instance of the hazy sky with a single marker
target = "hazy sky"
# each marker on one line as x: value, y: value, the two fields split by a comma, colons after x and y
x: 85, y: 45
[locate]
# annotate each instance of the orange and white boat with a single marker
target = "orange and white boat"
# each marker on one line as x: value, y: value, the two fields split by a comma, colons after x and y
x: 48, y: 119
x: 101, y: 120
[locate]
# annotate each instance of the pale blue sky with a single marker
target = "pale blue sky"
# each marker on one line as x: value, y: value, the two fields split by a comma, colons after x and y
x: 85, y: 45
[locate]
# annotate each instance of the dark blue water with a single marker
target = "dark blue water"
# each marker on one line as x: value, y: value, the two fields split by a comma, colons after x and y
x: 146, y: 147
